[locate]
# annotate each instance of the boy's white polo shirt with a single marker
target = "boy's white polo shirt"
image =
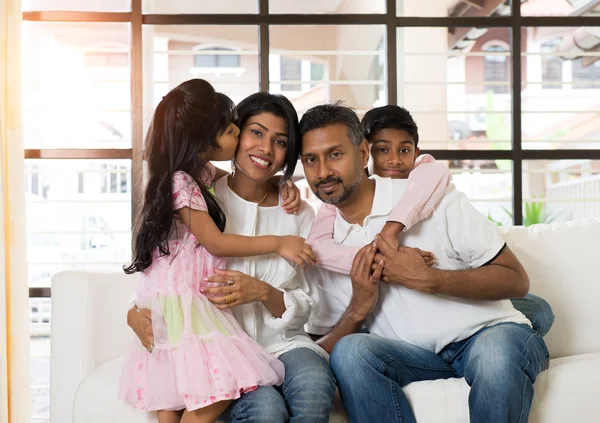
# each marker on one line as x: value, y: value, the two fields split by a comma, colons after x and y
x: 459, y: 236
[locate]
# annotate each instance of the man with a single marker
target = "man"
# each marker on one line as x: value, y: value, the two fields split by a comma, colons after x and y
x: 425, y: 323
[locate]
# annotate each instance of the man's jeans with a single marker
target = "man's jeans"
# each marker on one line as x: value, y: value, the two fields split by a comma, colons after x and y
x: 537, y: 310
x: 500, y: 363
x: 305, y: 396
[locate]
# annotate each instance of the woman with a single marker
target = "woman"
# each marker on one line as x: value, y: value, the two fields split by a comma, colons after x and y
x: 269, y: 143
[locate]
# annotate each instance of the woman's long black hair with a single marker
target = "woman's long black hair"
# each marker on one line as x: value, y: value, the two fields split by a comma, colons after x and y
x: 279, y: 106
x: 184, y: 128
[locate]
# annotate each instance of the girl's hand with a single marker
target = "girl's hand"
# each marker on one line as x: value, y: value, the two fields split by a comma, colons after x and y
x: 294, y: 248
x: 427, y: 256
x: 291, y: 197
x: 239, y: 289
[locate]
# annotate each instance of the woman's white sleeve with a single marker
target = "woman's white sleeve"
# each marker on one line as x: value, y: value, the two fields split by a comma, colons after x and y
x: 299, y: 305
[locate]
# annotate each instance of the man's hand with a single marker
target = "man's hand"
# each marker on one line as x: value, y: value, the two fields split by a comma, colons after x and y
x: 404, y: 266
x: 140, y: 320
x: 365, y: 283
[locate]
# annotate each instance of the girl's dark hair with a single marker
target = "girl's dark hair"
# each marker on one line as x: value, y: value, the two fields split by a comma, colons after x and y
x: 185, y: 126
x: 278, y: 106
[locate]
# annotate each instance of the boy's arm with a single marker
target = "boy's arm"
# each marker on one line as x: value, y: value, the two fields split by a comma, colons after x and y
x: 330, y: 256
x: 426, y: 186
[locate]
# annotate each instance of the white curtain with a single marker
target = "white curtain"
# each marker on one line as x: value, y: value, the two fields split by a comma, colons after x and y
x: 15, y: 397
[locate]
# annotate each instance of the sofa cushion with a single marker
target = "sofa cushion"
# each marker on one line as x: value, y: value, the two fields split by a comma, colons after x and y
x: 562, y: 261
x: 566, y: 392
x: 96, y: 400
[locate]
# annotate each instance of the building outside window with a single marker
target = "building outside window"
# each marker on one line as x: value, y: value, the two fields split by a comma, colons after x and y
x: 496, y: 68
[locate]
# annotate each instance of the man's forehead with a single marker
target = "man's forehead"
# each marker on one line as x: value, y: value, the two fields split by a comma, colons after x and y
x: 325, y: 138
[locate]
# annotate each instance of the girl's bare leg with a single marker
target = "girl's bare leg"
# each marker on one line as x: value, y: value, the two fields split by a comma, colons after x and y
x: 208, y: 414
x: 167, y: 416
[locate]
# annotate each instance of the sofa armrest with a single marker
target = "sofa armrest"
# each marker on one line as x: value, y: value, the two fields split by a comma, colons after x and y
x: 89, y: 328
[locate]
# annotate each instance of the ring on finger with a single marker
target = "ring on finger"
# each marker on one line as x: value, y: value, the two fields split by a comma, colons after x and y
x: 230, y: 281
x: 151, y: 347
x: 229, y: 299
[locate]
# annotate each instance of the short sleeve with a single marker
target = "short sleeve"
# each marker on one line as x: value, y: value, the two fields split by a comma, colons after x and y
x: 207, y: 176
x: 474, y: 238
x: 187, y: 193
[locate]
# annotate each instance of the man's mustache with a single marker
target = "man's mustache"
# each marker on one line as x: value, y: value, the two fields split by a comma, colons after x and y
x: 330, y: 180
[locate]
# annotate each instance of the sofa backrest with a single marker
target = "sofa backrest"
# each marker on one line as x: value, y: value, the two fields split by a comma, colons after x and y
x: 562, y: 261
x: 89, y: 328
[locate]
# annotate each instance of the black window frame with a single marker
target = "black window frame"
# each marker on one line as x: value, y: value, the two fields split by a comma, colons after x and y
x: 264, y: 19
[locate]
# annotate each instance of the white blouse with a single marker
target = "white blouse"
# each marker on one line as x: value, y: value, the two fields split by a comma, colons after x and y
x: 276, y: 334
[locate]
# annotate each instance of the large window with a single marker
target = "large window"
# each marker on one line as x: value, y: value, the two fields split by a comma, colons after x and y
x: 507, y: 100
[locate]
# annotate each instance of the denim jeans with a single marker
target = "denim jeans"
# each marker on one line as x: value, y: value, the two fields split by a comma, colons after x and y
x: 500, y: 363
x: 537, y: 310
x: 306, y: 394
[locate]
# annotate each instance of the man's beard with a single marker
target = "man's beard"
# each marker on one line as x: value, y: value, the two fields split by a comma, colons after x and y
x: 348, y: 191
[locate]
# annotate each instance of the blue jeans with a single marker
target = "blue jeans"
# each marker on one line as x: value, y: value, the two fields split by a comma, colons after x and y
x: 306, y: 394
x: 537, y: 310
x: 500, y: 363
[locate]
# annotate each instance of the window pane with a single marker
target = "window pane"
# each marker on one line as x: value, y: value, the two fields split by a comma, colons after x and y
x: 453, y: 8
x: 76, y: 85
x: 76, y: 225
x: 456, y: 84
x: 559, y: 8
x: 226, y: 56
x: 350, y: 60
x: 561, y: 85
x: 205, y: 61
x: 329, y: 7
x: 585, y: 74
x: 552, y: 67
x: 77, y: 5
x: 199, y: 6
x: 229, y: 61
x: 291, y: 70
x: 560, y: 190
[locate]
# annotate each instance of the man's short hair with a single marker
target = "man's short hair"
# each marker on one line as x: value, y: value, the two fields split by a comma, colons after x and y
x: 389, y: 117
x: 332, y: 114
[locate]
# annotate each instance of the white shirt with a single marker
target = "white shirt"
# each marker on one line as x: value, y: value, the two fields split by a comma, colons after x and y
x: 276, y: 334
x: 459, y: 236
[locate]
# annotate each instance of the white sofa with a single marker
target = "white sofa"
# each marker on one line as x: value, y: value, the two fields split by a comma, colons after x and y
x: 89, y: 335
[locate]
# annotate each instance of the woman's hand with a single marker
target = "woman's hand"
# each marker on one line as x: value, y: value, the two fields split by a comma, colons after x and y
x: 140, y: 320
x: 295, y: 248
x: 239, y: 289
x: 291, y: 197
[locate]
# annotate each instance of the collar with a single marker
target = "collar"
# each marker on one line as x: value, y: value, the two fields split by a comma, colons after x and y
x: 383, y: 204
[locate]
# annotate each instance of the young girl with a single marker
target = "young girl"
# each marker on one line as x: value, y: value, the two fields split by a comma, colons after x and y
x: 200, y: 359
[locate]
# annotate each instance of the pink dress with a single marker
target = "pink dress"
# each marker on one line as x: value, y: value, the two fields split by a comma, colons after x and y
x: 201, y: 354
